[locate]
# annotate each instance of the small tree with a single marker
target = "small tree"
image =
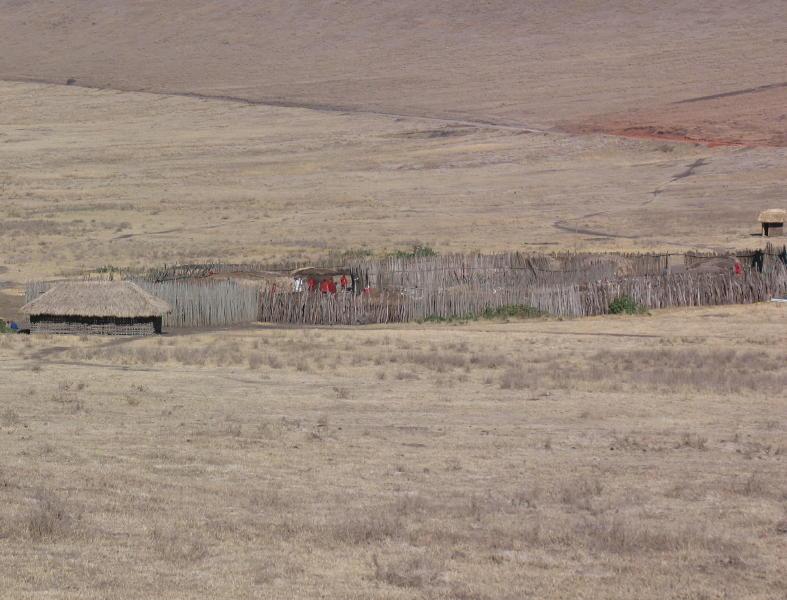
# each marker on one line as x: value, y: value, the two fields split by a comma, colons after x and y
x: 625, y: 305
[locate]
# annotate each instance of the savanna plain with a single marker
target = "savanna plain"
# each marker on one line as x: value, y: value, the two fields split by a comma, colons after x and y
x: 618, y: 457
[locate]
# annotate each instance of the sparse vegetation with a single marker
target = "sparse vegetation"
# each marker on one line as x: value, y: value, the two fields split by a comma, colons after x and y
x: 416, y: 251
x: 386, y: 453
x: 626, y: 305
x: 512, y: 311
x: 49, y: 519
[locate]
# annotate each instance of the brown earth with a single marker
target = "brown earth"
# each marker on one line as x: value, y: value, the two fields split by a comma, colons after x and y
x: 751, y: 117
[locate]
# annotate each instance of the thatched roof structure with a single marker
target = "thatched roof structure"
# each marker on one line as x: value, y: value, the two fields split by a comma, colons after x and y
x: 773, y: 215
x: 122, y: 299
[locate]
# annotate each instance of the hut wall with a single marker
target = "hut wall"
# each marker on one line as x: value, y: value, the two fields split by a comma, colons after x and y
x: 94, y: 325
x: 773, y: 229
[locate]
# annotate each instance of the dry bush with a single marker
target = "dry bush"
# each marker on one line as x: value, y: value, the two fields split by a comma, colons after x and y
x: 719, y: 370
x: 411, y: 571
x: 342, y: 393
x: 255, y: 360
x: 694, y: 441
x: 580, y: 493
x: 181, y: 545
x: 411, y: 504
x: 66, y: 395
x: 10, y: 417
x: 406, y: 375
x: 50, y: 518
x: 753, y: 485
x: 516, y: 378
x: 132, y: 400
x: 489, y: 361
x: 233, y: 429
x: 267, y: 499
x: 626, y: 535
x: 273, y: 361
x: 374, y: 526
x: 270, y: 430
x: 527, y: 497
x: 668, y: 370
x: 630, y: 443
x: 436, y: 361
x: 271, y: 570
x: 193, y: 356
x: 478, y: 506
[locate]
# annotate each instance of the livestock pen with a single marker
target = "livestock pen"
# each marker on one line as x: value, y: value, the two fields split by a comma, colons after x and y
x: 457, y: 286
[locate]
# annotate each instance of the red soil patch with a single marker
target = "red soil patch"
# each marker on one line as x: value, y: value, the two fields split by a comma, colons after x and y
x: 746, y: 119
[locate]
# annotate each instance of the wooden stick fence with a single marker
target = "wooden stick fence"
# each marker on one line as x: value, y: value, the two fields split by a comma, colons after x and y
x: 462, y: 286
x: 571, y: 300
x: 206, y: 304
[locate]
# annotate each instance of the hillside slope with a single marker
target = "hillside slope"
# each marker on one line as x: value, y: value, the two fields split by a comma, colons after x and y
x: 540, y: 63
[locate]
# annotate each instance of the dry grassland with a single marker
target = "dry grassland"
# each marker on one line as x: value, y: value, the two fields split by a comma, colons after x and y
x: 633, y: 457
x: 538, y: 63
x: 604, y: 458
x: 89, y: 178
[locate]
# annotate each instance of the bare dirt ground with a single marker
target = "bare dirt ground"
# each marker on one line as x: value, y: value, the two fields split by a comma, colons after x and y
x: 602, y: 458
x: 538, y: 63
x: 748, y: 117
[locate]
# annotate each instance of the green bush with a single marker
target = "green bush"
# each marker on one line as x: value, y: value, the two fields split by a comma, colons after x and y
x: 437, y: 319
x: 4, y: 328
x: 417, y: 251
x: 512, y: 311
x: 625, y: 305
x: 508, y: 311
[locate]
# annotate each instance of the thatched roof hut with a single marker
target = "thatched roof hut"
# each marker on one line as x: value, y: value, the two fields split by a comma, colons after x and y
x: 773, y: 215
x: 773, y: 221
x: 96, y: 307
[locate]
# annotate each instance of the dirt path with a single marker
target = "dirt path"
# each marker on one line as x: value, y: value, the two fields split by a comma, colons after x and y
x: 320, y: 107
x: 564, y: 224
x: 751, y: 90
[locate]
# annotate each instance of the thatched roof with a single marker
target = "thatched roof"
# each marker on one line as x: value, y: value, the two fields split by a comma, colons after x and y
x: 97, y: 299
x: 773, y: 215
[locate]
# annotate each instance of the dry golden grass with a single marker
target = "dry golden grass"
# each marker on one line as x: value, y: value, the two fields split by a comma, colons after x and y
x: 99, y: 177
x: 483, y: 460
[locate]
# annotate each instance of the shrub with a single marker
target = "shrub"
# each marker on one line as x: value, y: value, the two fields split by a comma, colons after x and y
x: 508, y: 311
x: 414, y: 571
x: 182, y: 545
x: 49, y: 519
x: 4, y: 328
x: 417, y: 251
x: 625, y: 305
